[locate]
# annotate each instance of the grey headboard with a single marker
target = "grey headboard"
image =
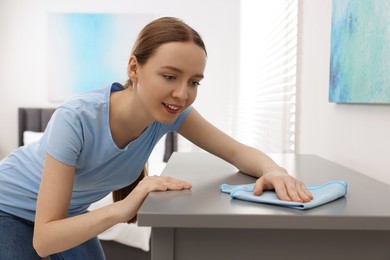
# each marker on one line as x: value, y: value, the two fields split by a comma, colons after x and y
x: 33, y: 119
x: 36, y: 119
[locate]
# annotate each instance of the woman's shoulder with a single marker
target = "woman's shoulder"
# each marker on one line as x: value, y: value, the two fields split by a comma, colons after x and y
x: 94, y: 101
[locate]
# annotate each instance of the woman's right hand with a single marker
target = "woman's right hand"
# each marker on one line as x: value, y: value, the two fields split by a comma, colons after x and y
x: 131, y: 204
x: 161, y: 183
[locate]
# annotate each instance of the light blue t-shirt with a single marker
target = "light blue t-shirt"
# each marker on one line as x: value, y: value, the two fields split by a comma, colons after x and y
x: 78, y: 134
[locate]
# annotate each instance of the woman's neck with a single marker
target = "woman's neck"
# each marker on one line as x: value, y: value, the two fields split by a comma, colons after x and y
x: 126, y: 118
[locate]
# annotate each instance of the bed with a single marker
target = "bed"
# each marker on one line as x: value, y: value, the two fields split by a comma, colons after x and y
x: 123, y: 241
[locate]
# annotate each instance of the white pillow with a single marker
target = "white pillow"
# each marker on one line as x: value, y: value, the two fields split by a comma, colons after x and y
x: 30, y: 136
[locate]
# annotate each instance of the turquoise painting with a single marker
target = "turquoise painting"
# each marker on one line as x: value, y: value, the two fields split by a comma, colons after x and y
x: 360, y: 52
x: 89, y: 50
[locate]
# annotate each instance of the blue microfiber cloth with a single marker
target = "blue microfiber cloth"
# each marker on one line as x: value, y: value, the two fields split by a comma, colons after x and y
x: 321, y: 194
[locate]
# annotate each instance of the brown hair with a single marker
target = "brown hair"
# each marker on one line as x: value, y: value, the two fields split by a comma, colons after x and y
x: 159, y: 32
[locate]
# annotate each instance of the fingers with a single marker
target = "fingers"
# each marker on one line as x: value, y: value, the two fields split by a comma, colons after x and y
x: 175, y: 184
x: 293, y: 190
x: 162, y: 183
x: 286, y: 192
x: 260, y: 186
x: 304, y: 193
x: 286, y: 187
x: 258, y: 190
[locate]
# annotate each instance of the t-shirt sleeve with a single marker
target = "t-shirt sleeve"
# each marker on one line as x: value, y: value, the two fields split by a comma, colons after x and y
x: 65, y: 136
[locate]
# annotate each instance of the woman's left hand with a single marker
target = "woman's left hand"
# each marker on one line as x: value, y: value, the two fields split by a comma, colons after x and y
x: 286, y: 187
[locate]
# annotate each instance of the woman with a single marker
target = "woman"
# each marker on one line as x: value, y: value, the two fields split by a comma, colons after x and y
x: 99, y: 142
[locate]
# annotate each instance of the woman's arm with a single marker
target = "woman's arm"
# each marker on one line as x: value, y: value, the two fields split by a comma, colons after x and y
x: 247, y: 159
x: 55, y: 231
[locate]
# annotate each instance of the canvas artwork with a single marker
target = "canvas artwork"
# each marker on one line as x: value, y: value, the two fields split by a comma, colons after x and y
x: 89, y: 50
x: 360, y: 51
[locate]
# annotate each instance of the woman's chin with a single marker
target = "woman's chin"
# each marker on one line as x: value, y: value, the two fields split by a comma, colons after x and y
x: 166, y: 120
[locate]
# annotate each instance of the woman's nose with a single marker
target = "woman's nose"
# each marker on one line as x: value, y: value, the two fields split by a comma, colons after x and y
x: 181, y: 91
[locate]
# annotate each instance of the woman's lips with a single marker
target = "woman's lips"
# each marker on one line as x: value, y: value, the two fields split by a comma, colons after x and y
x: 172, y: 108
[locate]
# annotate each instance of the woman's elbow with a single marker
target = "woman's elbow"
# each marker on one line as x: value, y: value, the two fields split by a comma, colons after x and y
x: 39, y: 245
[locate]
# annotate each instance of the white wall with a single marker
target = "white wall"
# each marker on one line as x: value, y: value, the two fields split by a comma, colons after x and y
x: 356, y: 136
x: 23, y: 71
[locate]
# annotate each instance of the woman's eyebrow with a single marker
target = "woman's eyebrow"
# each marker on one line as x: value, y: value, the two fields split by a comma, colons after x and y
x: 180, y: 71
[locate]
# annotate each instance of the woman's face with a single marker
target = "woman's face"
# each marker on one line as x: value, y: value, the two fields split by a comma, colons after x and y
x: 167, y: 83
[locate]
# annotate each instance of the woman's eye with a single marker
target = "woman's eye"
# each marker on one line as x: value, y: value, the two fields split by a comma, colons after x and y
x: 169, y: 77
x: 194, y: 83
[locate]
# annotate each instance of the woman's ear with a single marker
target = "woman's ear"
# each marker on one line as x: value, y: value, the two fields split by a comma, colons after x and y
x: 132, y: 68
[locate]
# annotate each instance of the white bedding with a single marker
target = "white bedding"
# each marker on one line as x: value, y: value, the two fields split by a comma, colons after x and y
x: 128, y: 234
